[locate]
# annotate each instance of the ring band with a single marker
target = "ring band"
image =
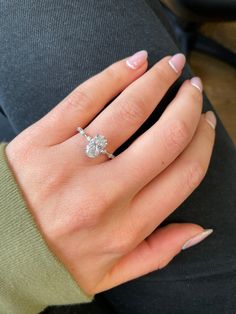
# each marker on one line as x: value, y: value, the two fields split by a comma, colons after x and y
x: 96, y: 145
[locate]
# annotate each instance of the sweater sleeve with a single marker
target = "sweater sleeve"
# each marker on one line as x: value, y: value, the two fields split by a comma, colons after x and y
x: 31, y: 277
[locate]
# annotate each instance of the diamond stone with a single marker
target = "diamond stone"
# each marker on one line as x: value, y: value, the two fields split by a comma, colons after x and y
x: 96, y: 146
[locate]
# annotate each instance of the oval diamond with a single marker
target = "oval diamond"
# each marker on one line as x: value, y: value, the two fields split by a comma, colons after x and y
x: 96, y: 146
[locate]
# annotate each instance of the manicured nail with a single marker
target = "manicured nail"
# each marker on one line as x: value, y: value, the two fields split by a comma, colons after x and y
x: 136, y: 60
x: 177, y: 62
x: 211, y: 118
x: 196, y: 82
x: 197, y: 239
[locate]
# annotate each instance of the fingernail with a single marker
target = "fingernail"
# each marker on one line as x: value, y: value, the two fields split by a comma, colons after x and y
x: 177, y: 62
x: 196, y: 82
x: 211, y: 118
x: 197, y: 239
x: 136, y: 60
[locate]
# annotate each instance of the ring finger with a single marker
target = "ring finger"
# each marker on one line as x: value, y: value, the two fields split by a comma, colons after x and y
x: 132, y: 107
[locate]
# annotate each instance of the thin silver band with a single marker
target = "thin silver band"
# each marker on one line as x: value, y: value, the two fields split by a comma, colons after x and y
x: 96, y: 145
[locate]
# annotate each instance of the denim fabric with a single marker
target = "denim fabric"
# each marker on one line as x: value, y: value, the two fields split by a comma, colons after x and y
x: 49, y: 47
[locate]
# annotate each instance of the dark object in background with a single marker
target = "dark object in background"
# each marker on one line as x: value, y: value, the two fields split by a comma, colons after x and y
x: 6, y: 131
x: 186, y: 18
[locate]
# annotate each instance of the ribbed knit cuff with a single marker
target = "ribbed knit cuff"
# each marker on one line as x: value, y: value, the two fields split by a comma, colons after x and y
x: 31, y: 277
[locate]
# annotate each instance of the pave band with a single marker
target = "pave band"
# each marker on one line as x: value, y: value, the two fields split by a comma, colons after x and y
x: 96, y: 145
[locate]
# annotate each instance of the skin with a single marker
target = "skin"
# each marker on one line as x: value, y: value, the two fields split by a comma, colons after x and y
x: 99, y: 216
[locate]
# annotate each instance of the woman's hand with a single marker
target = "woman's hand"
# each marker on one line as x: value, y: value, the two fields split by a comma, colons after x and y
x: 99, y: 216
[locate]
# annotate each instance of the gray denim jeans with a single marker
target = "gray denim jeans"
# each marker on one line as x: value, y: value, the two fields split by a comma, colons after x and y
x: 49, y: 47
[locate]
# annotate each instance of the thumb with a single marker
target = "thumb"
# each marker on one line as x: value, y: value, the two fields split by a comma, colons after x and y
x: 156, y: 251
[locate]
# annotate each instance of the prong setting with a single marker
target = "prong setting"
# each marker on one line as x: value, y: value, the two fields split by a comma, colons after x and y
x: 96, y: 145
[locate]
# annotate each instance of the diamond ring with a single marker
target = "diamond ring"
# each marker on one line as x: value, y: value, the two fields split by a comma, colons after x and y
x: 96, y: 145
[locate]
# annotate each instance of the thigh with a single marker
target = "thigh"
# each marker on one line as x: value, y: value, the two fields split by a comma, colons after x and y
x: 49, y: 47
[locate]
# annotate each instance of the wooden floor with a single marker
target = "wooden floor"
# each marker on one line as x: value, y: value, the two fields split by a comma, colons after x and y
x: 219, y: 79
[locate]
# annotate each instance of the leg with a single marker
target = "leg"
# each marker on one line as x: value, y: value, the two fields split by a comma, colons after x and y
x: 47, y: 49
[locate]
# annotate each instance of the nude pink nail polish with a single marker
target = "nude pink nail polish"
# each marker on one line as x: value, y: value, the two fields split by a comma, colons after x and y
x: 197, y: 239
x: 177, y: 62
x: 211, y: 118
x: 135, y: 61
x: 197, y: 82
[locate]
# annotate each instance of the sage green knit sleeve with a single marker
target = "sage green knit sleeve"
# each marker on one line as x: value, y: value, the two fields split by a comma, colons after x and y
x: 31, y: 277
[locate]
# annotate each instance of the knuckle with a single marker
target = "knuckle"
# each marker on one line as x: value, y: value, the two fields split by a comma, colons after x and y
x: 113, y: 74
x: 85, y: 214
x: 162, y: 259
x: 195, y: 175
x: 175, y: 136
x: 122, y: 244
x: 78, y: 100
x: 123, y: 240
x: 165, y: 78
x: 91, y: 210
x: 133, y: 110
x: 19, y: 154
x: 88, y: 216
x: 51, y: 183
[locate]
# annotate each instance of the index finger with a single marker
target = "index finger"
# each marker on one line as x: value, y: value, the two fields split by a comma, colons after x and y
x: 88, y: 99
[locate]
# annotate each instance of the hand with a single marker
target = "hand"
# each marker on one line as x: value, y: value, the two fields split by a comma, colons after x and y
x: 100, y: 216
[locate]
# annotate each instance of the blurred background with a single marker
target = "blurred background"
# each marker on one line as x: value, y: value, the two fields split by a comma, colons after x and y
x: 206, y: 31
x: 218, y: 77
